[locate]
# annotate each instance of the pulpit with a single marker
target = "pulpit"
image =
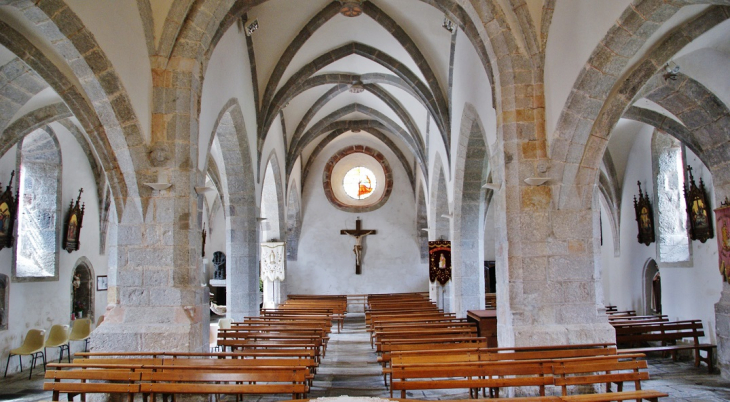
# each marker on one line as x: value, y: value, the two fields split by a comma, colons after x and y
x: 486, y: 321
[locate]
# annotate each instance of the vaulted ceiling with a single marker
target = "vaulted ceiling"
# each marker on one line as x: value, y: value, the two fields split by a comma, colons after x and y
x: 324, y: 74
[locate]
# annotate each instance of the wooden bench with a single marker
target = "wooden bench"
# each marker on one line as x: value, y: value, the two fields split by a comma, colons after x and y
x: 179, y: 376
x: 286, y: 381
x: 117, y: 381
x: 634, y: 339
x: 544, y: 353
x: 597, y: 372
x: 473, y: 376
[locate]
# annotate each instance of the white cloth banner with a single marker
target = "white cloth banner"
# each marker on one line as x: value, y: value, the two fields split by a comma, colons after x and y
x: 273, y: 261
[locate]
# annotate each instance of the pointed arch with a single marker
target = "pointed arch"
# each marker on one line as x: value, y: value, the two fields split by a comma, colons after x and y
x: 277, y: 203
x: 239, y: 199
x: 440, y: 225
x: 354, y: 125
x: 467, y: 243
x: 38, y: 231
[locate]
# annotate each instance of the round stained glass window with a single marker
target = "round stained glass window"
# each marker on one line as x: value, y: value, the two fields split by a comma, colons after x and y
x: 359, y: 183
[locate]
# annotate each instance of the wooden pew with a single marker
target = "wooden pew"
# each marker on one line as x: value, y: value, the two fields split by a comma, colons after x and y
x: 547, y: 353
x: 634, y: 338
x: 577, y: 372
x: 241, y: 382
x: 119, y: 381
x: 474, y: 375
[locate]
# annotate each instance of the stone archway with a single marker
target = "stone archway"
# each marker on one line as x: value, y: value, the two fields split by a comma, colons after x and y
x: 440, y: 228
x: 467, y: 242
x: 238, y: 197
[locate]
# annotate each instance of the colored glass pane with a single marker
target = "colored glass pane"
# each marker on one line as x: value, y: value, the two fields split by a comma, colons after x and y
x: 359, y: 183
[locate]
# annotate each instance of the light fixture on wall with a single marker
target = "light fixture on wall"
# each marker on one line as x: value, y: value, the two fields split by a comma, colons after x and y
x: 672, y: 69
x: 536, y: 181
x: 492, y: 186
x: 203, y: 190
x: 158, y: 186
x: 447, y: 216
x: 351, y: 8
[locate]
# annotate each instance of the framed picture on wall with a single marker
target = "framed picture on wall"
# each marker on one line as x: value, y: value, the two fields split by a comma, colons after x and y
x: 102, y: 282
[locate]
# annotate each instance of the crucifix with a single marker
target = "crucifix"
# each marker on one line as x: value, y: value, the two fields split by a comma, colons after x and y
x: 358, y: 234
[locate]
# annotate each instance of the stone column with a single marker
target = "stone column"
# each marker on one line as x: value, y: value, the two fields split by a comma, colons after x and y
x: 157, y: 302
x: 547, y: 293
x: 722, y: 322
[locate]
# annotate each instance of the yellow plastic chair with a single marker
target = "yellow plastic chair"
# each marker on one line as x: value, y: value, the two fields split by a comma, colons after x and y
x: 32, y: 346
x: 58, y: 338
x: 81, y: 331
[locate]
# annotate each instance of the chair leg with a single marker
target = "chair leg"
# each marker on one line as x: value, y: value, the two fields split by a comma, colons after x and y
x: 44, y: 361
x: 7, y: 364
x: 32, y: 365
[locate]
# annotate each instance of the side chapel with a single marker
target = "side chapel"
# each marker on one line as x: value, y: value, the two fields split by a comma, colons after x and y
x: 349, y: 134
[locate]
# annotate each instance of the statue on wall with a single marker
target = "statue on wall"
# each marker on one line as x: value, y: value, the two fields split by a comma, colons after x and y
x: 219, y: 261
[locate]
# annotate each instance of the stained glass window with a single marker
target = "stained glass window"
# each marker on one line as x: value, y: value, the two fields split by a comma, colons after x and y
x: 359, y: 183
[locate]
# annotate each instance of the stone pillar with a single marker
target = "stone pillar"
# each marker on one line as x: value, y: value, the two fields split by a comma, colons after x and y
x: 722, y: 322
x: 157, y: 302
x: 546, y: 254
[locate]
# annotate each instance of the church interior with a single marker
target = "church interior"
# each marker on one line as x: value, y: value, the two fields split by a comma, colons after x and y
x: 165, y: 163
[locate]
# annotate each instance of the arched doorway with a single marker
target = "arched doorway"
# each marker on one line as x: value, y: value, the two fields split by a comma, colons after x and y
x: 652, y: 288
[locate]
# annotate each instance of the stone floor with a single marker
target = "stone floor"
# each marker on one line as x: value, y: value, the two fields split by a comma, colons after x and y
x: 350, y: 368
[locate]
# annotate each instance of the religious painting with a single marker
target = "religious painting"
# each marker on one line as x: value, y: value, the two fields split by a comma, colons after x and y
x: 439, y: 261
x: 722, y: 218
x: 700, y: 225
x: 644, y: 217
x: 74, y: 220
x: 8, y: 208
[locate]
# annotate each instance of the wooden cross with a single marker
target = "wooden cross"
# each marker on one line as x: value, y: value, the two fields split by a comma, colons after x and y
x: 358, y: 234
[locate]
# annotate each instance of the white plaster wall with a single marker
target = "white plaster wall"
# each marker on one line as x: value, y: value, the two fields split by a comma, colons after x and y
x: 226, y: 79
x: 688, y: 292
x: 40, y: 305
x: 326, y: 262
x: 123, y: 41
x: 576, y: 29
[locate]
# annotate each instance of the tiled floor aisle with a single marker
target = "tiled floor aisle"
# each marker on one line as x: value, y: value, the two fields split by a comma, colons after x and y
x: 350, y: 368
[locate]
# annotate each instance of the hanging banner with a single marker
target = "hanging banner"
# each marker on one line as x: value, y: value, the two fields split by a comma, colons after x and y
x: 722, y: 220
x: 273, y: 259
x: 439, y: 261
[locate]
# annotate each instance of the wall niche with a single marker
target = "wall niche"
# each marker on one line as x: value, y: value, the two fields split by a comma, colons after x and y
x: 82, y: 290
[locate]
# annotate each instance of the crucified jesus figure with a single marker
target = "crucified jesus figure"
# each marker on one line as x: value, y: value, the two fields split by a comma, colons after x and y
x: 358, y: 245
x: 358, y: 234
